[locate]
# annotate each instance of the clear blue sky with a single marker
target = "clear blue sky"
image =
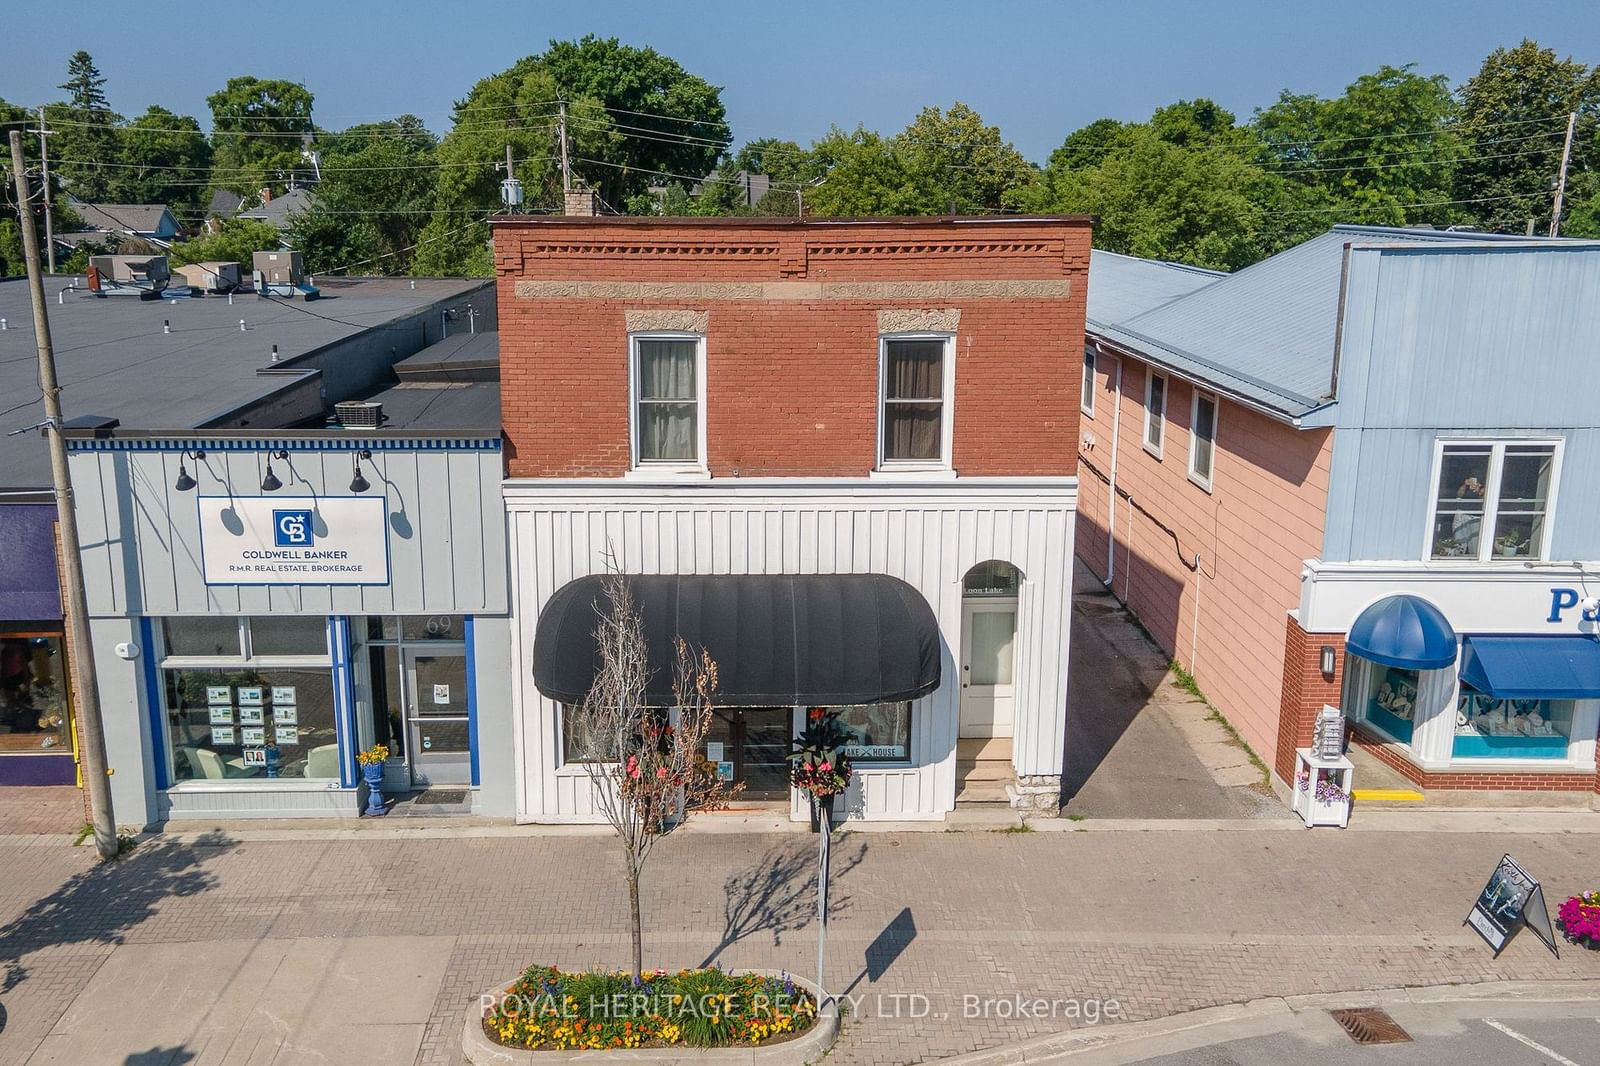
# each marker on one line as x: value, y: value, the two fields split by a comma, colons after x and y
x: 1036, y: 69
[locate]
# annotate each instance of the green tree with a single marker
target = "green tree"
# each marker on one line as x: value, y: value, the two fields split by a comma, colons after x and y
x: 1160, y: 200
x: 373, y: 201
x: 259, y: 128
x: 165, y: 160
x: 635, y: 119
x: 84, y: 131
x: 1513, y: 119
x: 236, y: 240
x: 945, y: 160
x: 1386, y: 144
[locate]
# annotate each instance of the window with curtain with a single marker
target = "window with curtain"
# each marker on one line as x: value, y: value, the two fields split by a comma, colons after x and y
x: 914, y: 399
x: 667, y: 399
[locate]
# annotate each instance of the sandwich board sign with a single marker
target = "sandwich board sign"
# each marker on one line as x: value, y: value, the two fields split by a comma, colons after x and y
x: 1510, y: 899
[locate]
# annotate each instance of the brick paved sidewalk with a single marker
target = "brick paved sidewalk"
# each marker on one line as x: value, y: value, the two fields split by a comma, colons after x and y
x: 1162, y: 922
x: 41, y: 809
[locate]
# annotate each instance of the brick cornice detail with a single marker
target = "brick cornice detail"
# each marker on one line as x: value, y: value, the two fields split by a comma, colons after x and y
x: 697, y: 291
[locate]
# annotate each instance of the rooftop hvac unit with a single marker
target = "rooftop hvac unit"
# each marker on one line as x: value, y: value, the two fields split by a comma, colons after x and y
x: 212, y: 276
x: 281, y: 273
x: 358, y: 414
x: 141, y: 275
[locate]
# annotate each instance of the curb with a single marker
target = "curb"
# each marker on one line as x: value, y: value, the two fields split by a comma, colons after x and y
x: 809, y: 1047
x: 1270, y: 1012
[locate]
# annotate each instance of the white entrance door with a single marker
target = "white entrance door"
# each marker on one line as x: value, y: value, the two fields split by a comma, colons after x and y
x: 988, y: 658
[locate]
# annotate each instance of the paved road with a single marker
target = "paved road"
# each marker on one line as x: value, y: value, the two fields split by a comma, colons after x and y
x: 1518, y: 1035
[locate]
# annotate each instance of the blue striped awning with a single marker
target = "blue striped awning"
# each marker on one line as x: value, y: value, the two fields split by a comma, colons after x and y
x: 1533, y: 668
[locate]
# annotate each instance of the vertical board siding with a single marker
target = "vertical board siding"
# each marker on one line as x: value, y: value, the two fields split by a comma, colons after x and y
x: 929, y: 542
x: 1492, y: 341
x: 141, y: 538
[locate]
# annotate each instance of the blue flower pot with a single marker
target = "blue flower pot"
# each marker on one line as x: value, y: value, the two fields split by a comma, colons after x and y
x: 372, y: 774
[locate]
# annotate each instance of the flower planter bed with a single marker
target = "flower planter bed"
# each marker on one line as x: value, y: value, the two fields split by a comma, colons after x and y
x: 1579, y: 918
x: 548, y: 1016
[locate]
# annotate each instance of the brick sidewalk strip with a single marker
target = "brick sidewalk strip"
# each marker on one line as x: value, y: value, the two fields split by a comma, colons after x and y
x: 1161, y: 922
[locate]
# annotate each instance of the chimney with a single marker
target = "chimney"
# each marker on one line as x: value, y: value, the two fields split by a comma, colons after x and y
x: 266, y: 194
x: 580, y: 201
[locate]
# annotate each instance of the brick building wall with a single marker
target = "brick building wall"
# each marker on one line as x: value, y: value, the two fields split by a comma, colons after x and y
x: 1222, y: 620
x: 792, y: 313
x: 1305, y: 691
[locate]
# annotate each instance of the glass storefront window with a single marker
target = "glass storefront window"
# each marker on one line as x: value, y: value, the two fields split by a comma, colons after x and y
x: 388, y: 699
x: 417, y: 627
x: 1389, y: 701
x: 205, y: 637
x: 243, y: 724
x: 1487, y: 728
x: 33, y: 695
x: 288, y: 635
x: 881, y: 731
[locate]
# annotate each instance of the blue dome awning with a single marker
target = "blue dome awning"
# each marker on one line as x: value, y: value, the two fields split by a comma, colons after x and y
x: 1403, y: 631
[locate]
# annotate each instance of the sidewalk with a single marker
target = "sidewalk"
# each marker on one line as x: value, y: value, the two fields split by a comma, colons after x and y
x: 208, y: 947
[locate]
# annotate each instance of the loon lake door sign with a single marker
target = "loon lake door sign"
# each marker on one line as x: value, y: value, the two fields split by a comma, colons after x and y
x: 294, y: 540
x: 1510, y: 900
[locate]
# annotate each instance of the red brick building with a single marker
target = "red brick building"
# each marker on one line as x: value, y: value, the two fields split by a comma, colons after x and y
x: 782, y: 398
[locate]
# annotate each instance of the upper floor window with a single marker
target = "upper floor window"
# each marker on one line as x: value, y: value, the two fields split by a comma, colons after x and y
x: 1492, y: 500
x: 1202, y: 439
x: 669, y: 391
x: 1087, y: 400
x: 1155, y: 412
x: 916, y: 384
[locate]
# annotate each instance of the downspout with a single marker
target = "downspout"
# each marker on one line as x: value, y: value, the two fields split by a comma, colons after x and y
x: 1111, y: 488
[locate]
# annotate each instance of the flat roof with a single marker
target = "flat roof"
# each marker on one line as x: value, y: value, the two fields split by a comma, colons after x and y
x: 452, y: 384
x: 743, y: 222
x: 115, y: 359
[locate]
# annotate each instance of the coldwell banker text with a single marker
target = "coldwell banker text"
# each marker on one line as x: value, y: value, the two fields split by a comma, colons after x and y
x: 287, y: 541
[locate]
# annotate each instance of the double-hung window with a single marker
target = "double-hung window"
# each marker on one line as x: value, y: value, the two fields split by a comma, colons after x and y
x: 1492, y: 500
x: 916, y: 381
x: 668, y: 385
x: 1155, y: 412
x: 1202, y: 438
x: 1086, y: 402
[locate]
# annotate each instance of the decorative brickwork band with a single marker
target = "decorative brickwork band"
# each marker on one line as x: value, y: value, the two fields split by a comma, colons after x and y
x: 913, y: 320
x: 693, y: 291
x: 683, y: 321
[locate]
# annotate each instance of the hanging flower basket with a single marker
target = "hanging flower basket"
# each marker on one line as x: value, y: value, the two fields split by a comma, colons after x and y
x: 819, y: 766
x: 1579, y: 919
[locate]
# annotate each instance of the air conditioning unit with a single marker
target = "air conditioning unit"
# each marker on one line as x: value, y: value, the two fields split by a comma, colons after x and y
x: 281, y: 273
x: 141, y: 275
x: 214, y: 276
x: 358, y: 414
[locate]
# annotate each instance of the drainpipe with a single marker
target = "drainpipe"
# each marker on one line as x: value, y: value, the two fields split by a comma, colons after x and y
x: 1111, y: 487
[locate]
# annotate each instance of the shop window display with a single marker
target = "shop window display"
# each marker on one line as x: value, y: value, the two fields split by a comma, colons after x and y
x: 1391, y: 701
x: 33, y: 701
x: 1489, y: 728
x: 879, y: 732
x: 244, y: 724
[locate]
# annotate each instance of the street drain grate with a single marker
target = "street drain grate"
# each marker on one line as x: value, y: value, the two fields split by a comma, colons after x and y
x: 1370, y: 1025
x: 441, y: 796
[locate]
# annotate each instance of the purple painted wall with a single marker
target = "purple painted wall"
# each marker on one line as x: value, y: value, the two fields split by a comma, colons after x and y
x: 29, y: 590
x: 37, y: 770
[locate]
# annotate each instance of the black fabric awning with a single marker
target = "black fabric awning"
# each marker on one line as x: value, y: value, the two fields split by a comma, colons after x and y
x: 809, y: 640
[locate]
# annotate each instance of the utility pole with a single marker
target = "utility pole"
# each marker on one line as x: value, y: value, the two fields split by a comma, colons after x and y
x: 566, y: 167
x: 1561, y: 178
x: 49, y: 221
x: 91, y: 731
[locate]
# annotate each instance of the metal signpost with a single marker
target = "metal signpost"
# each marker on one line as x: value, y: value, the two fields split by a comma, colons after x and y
x: 825, y: 824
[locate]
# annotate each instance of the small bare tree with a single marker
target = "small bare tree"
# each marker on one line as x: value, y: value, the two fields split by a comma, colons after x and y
x: 644, y: 763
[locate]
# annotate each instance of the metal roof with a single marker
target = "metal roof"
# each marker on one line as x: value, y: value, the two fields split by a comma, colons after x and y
x: 114, y: 359
x: 1265, y: 334
x: 1121, y: 286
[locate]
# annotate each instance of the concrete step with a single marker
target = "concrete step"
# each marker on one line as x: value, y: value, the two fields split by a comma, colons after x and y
x: 983, y: 792
x: 973, y: 749
x: 987, y: 770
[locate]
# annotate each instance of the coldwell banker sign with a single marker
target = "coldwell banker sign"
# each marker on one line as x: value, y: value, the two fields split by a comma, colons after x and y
x: 293, y: 540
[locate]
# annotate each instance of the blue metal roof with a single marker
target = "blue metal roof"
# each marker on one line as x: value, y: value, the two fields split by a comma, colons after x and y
x: 1121, y: 286
x: 1265, y: 334
x: 1533, y: 668
x: 1403, y: 631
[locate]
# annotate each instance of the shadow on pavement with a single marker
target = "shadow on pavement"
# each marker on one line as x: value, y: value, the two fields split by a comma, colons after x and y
x: 779, y: 893
x: 99, y: 905
x: 160, y: 1056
